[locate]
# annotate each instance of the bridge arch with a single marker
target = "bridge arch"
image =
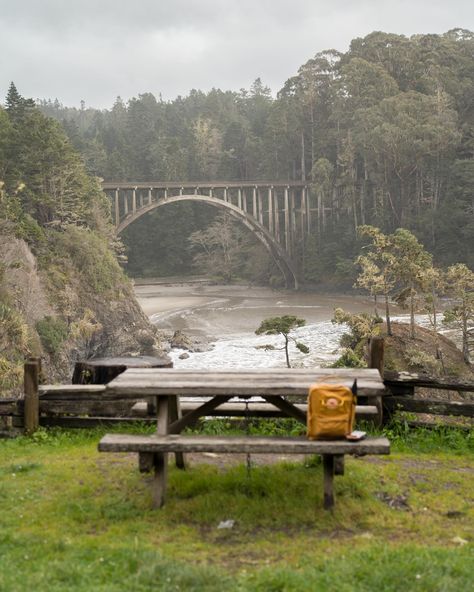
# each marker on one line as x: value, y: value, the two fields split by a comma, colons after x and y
x: 279, y: 255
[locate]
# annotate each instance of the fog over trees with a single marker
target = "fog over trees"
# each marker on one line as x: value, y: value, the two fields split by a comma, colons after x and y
x: 384, y: 133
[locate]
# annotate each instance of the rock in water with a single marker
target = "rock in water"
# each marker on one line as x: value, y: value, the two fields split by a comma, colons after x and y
x: 181, y: 341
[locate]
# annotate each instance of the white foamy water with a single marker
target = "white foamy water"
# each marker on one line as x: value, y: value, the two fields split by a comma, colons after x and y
x: 227, y: 316
x: 247, y: 350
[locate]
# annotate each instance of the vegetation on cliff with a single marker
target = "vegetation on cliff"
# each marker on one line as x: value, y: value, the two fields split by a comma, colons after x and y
x: 63, y: 293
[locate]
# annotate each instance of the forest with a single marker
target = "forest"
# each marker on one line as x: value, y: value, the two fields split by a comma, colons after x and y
x: 384, y: 133
x: 63, y: 294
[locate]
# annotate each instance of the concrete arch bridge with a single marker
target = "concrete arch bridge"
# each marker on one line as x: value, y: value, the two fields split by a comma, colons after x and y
x: 277, y: 213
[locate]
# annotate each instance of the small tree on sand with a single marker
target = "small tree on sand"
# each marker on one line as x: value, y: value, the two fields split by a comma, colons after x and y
x: 283, y: 326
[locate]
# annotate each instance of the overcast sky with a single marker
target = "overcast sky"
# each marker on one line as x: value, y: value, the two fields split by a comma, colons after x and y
x: 96, y: 50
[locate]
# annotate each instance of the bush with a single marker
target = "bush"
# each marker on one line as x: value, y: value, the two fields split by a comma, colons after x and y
x: 349, y: 359
x: 53, y: 332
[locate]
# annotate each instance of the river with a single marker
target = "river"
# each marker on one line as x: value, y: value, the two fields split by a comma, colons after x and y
x: 226, y: 317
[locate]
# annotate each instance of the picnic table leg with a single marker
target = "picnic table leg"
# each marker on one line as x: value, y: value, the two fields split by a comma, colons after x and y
x: 328, y: 487
x: 160, y: 459
x: 377, y: 402
x: 339, y: 464
x: 175, y: 414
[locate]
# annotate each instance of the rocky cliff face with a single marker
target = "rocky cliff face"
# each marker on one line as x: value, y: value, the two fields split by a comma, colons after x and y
x: 66, y: 319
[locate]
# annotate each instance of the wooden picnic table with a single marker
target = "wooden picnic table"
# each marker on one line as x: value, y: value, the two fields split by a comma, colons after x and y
x: 275, y: 385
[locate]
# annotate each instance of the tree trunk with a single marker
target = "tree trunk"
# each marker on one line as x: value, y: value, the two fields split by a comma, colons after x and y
x: 465, y: 335
x: 286, y: 352
x: 387, y: 315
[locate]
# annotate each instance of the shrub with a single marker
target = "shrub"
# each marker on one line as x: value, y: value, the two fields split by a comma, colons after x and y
x: 53, y: 332
x: 349, y: 359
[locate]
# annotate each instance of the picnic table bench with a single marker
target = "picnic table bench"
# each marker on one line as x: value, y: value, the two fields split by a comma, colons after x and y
x: 276, y: 386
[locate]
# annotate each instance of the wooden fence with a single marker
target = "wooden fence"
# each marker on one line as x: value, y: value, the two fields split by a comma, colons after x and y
x: 80, y: 406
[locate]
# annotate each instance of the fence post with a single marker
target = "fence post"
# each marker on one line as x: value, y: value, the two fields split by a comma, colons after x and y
x: 31, y: 412
x: 376, y: 353
x: 376, y: 360
x: 37, y: 360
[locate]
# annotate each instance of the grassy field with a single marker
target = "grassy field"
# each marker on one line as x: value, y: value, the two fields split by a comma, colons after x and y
x: 73, y: 519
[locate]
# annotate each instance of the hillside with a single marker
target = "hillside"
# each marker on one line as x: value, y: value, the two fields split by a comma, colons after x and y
x: 63, y: 294
x: 429, y: 352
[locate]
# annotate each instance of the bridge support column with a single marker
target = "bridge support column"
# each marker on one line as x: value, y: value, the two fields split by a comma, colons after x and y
x: 117, y: 208
x: 260, y: 206
x: 254, y: 203
x: 288, y: 245
x: 239, y: 198
x: 125, y: 203
x: 225, y: 194
x: 149, y: 196
x: 134, y: 200
x: 293, y: 229
x: 276, y: 205
x: 308, y: 210
x: 270, y: 210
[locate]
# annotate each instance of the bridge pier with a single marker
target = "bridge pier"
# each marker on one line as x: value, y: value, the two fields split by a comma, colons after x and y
x: 288, y: 245
x: 134, y: 200
x: 270, y: 210
x: 117, y: 207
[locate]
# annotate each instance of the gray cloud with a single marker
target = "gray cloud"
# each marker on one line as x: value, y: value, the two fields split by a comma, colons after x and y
x: 96, y: 50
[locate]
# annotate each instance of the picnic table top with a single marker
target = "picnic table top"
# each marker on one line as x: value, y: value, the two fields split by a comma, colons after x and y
x: 240, y: 382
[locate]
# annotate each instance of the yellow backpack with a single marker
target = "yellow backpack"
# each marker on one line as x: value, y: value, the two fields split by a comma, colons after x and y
x: 331, y: 411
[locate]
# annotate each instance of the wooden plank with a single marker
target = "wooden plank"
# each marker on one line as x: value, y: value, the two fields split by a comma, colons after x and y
x: 237, y: 444
x: 11, y: 406
x: 435, y: 425
x: 432, y: 406
x: 112, y: 408
x: 401, y: 379
x: 313, y: 373
x: 51, y: 392
x: 103, y: 370
x: 256, y: 409
x: 72, y: 422
x: 239, y: 382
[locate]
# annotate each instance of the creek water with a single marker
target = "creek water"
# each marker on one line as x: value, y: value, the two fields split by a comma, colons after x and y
x: 225, y: 318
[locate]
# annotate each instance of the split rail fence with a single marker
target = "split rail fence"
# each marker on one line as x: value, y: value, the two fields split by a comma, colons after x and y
x: 83, y: 406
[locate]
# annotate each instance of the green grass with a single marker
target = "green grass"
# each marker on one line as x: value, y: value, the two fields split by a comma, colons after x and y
x: 74, y: 519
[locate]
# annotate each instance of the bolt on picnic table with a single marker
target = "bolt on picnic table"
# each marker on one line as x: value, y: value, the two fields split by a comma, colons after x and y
x: 276, y: 386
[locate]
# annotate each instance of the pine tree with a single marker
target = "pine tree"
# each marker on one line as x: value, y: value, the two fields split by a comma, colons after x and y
x: 13, y: 99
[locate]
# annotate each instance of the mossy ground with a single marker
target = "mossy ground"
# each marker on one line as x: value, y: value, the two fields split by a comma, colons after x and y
x: 73, y: 519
